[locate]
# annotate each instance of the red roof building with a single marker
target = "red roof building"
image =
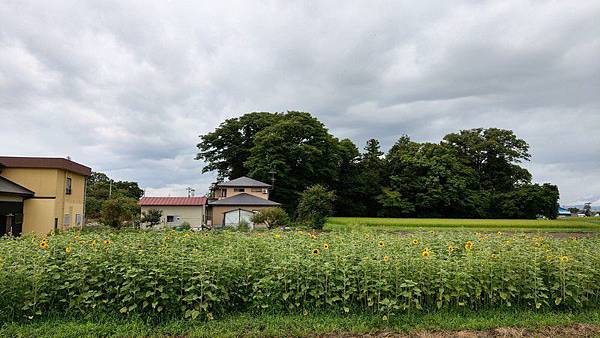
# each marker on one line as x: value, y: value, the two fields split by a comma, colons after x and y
x: 173, y: 201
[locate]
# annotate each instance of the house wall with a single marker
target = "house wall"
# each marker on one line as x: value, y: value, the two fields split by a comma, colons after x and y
x: 218, y: 212
x: 193, y: 214
x: 50, y: 200
x: 247, y: 190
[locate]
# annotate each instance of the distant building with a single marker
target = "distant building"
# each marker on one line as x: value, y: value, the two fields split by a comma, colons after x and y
x: 41, y: 194
x: 562, y: 213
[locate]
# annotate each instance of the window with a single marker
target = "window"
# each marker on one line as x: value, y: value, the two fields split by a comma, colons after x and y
x: 67, y: 219
x: 239, y: 189
x: 78, y: 219
x: 170, y: 219
x: 68, y: 186
x: 223, y: 192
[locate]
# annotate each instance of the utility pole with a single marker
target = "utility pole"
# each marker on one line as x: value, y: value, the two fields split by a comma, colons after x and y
x: 109, y: 188
x: 190, y: 191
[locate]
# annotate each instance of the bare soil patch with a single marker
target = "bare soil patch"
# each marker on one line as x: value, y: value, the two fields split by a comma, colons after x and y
x: 575, y: 330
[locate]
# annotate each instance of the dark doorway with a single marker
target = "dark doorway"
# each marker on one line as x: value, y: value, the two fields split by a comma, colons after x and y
x: 11, y: 218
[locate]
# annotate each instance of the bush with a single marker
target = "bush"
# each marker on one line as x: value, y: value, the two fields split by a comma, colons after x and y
x: 271, y: 217
x: 116, y: 212
x: 151, y: 217
x: 316, y: 204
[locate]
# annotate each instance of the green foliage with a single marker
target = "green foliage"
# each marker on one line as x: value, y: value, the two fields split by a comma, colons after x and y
x: 99, y: 188
x: 316, y: 204
x: 271, y: 217
x: 185, y: 226
x: 193, y: 275
x: 118, y: 211
x: 151, y: 217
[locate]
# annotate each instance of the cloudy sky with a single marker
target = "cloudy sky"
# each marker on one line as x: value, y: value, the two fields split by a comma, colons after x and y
x: 127, y: 87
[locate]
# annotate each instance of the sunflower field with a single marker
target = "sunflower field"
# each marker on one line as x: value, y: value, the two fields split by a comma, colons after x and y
x: 205, y: 275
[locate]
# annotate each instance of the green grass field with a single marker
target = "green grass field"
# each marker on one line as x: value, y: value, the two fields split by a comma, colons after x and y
x: 408, y: 224
x: 295, y: 325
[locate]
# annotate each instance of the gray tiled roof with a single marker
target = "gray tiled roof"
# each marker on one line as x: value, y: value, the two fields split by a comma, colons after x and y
x: 11, y: 188
x: 244, y: 199
x: 244, y: 182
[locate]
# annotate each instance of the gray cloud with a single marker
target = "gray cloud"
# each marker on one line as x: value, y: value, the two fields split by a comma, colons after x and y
x: 127, y: 87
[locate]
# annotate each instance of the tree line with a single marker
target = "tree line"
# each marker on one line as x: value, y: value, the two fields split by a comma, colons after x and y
x: 474, y: 173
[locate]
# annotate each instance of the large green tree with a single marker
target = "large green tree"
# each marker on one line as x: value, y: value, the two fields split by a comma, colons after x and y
x: 100, y: 187
x: 494, y: 154
x: 300, y: 151
x: 227, y: 148
x: 347, y: 184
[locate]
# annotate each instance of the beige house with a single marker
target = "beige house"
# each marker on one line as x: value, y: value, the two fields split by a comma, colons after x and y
x: 41, y: 194
x: 177, y: 210
x: 235, y: 201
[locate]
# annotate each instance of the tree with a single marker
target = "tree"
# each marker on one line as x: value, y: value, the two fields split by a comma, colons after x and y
x: 494, y: 154
x: 528, y: 201
x: 271, y: 217
x: 151, y: 217
x: 300, y: 150
x: 118, y: 211
x: 372, y: 177
x: 316, y: 204
x: 587, y: 209
x: 574, y: 210
x: 347, y: 183
x: 228, y: 147
x: 100, y: 188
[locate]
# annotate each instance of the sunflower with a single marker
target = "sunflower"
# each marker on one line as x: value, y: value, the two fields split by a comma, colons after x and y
x: 44, y: 245
x: 499, y: 233
x: 469, y: 245
x: 564, y: 259
x: 107, y: 241
x: 381, y: 244
x: 425, y: 253
x: 326, y: 246
x: 549, y: 258
x: 316, y: 251
x: 206, y: 234
x: 386, y: 258
x: 94, y: 243
x: 494, y: 256
x: 450, y: 248
x: 573, y: 238
x: 415, y: 242
x: 68, y: 250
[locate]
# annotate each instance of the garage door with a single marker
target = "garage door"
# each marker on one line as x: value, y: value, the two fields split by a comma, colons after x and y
x: 234, y: 217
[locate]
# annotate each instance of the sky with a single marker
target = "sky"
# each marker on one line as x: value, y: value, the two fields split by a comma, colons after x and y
x: 127, y: 87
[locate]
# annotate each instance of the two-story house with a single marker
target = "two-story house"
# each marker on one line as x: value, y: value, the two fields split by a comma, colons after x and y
x: 40, y: 194
x: 235, y: 201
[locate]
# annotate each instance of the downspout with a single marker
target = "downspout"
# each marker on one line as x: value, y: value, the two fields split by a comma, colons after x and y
x: 83, y: 218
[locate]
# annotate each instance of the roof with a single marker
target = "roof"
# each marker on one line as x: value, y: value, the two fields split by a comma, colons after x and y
x: 244, y: 199
x: 8, y: 187
x: 563, y: 211
x: 45, y: 162
x: 174, y: 201
x: 244, y: 182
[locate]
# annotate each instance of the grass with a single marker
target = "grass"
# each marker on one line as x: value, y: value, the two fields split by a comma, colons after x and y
x: 411, y: 224
x: 261, y: 325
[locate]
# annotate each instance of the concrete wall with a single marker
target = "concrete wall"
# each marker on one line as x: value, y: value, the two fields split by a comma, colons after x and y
x: 191, y: 214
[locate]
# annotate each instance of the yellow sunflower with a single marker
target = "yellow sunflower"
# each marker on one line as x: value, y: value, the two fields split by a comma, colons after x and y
x: 326, y: 246
x: 450, y: 248
x: 44, y: 245
x: 206, y: 234
x: 316, y: 251
x: 386, y: 258
x: 564, y: 259
x: 469, y: 245
x: 107, y: 241
x: 381, y: 244
x: 415, y: 242
x: 68, y: 250
x: 425, y: 253
x: 494, y: 256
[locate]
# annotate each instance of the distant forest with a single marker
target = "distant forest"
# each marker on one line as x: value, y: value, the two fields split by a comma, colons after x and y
x: 474, y: 173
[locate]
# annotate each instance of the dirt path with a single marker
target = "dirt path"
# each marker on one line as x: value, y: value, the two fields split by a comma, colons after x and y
x: 575, y: 330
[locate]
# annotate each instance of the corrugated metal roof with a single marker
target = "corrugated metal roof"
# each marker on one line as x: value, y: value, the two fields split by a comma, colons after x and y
x: 243, y: 199
x: 244, y: 182
x: 175, y: 201
x: 11, y: 188
x: 45, y: 162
